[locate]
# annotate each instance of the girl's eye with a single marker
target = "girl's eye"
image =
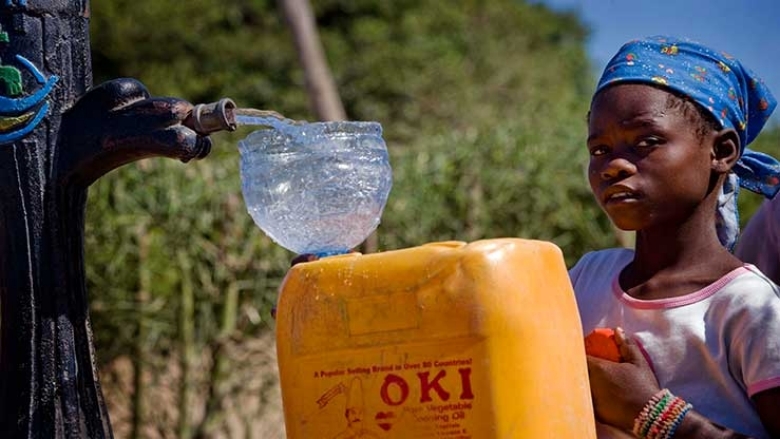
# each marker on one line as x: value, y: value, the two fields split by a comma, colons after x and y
x: 646, y: 142
x: 598, y: 150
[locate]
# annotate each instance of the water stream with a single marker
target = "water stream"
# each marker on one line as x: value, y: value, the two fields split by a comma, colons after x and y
x: 263, y: 119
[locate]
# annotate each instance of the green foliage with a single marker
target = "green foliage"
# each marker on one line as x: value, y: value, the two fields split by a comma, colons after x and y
x: 200, y: 50
x: 483, y: 106
x: 189, y: 211
x: 505, y: 181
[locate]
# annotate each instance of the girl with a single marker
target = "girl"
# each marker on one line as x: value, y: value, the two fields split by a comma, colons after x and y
x: 698, y: 330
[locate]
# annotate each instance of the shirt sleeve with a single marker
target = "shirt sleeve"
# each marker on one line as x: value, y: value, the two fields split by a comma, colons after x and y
x: 574, y: 273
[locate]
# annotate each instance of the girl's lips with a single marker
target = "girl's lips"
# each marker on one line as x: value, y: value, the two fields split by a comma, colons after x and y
x: 619, y: 194
x: 622, y: 196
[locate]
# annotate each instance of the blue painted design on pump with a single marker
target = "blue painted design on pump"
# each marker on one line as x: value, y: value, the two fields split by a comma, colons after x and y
x: 21, y: 115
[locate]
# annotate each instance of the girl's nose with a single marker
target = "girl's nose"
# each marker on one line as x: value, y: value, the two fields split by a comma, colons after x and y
x: 617, y: 168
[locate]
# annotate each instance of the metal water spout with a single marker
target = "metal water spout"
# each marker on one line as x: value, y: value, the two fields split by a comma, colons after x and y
x: 216, y: 116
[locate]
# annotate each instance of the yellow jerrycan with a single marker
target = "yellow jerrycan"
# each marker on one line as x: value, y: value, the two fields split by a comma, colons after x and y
x: 446, y: 340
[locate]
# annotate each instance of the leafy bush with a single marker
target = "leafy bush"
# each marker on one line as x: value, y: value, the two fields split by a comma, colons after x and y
x: 483, y: 106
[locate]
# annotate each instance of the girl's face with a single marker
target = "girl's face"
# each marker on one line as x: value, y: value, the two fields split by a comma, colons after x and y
x: 648, y: 166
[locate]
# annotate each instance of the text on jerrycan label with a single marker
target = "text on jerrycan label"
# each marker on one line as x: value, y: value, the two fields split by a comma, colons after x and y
x: 410, y: 392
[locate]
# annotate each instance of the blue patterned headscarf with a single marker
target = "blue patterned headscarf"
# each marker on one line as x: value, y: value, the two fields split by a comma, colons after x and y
x: 716, y: 81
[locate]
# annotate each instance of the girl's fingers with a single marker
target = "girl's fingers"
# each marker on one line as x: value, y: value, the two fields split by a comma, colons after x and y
x: 626, y: 346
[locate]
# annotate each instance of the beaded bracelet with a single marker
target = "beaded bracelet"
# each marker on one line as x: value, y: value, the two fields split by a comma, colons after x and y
x: 661, y: 416
x: 644, y: 420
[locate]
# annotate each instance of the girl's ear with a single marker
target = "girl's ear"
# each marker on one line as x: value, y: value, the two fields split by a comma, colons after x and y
x: 725, y: 150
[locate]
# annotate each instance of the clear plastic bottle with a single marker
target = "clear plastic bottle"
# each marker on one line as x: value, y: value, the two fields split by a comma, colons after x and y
x: 316, y: 187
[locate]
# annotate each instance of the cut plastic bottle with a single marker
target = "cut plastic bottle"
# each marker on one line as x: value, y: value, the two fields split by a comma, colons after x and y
x: 317, y: 188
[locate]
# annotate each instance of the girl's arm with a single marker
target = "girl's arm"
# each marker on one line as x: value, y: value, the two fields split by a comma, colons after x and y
x: 620, y: 391
x: 767, y: 403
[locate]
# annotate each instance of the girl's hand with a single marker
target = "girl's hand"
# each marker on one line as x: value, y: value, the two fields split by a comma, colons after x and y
x: 621, y: 390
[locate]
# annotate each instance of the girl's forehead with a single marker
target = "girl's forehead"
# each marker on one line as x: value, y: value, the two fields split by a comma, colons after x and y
x: 630, y: 101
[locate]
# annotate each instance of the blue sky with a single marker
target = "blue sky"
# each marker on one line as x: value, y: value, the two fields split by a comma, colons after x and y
x: 747, y: 29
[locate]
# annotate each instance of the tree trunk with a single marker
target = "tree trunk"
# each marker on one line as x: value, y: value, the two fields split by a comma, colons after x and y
x: 321, y: 88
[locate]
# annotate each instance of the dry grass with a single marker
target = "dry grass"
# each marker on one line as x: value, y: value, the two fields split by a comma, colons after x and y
x: 250, y: 409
